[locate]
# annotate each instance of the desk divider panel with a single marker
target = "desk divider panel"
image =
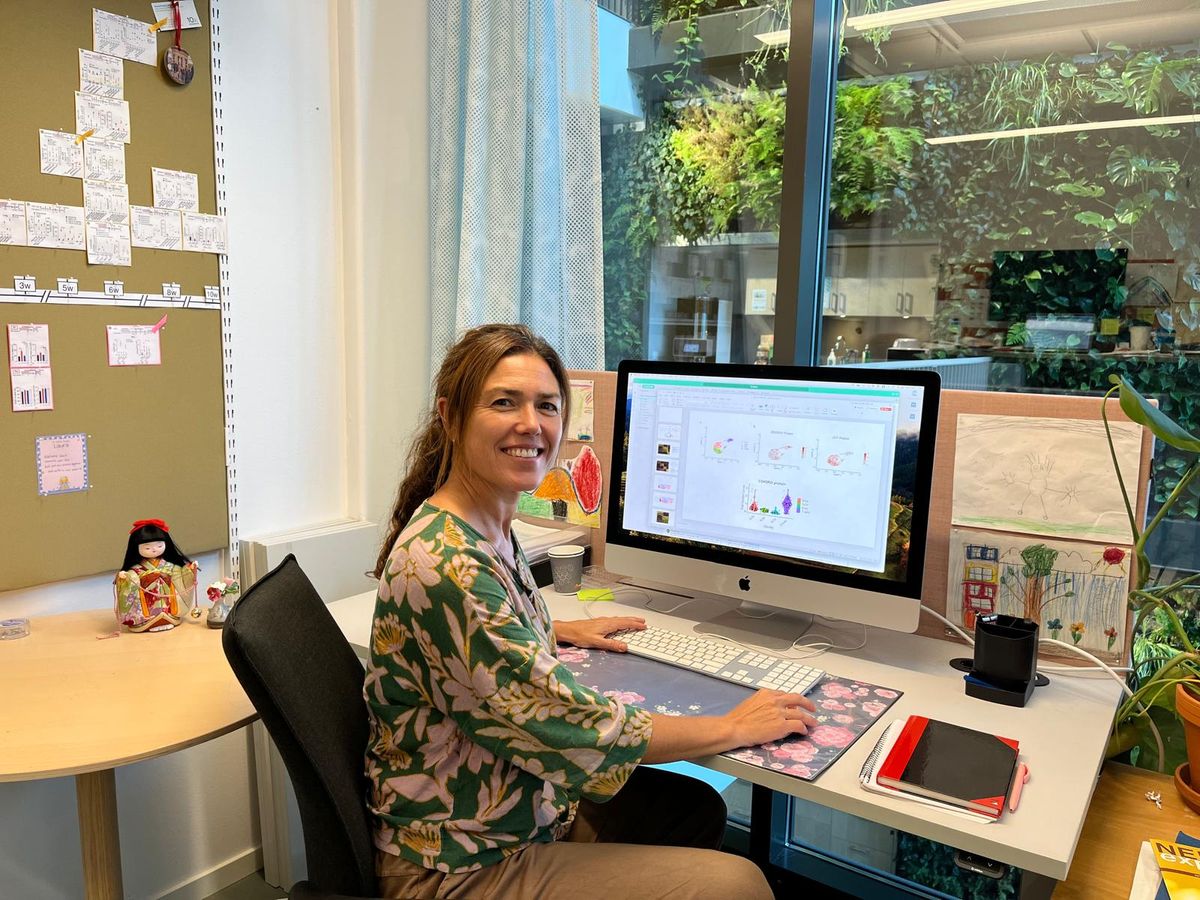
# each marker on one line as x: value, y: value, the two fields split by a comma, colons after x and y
x: 991, y: 403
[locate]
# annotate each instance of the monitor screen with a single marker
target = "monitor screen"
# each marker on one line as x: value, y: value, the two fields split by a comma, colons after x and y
x: 723, y: 473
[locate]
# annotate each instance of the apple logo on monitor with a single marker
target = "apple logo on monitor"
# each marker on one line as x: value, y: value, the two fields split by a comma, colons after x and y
x: 744, y: 582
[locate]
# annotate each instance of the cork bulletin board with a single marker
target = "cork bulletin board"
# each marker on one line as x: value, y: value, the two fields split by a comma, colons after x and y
x: 171, y: 127
x: 155, y: 438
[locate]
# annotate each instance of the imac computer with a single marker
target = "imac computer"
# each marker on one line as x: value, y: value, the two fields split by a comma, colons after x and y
x: 801, y: 489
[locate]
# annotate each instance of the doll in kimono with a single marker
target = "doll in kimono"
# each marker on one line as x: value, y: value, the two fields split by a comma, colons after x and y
x: 155, y: 580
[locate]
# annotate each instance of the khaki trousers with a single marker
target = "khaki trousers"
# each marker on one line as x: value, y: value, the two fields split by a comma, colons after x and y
x: 656, y: 838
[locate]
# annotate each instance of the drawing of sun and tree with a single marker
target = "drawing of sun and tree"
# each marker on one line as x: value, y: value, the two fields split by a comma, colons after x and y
x: 1075, y: 591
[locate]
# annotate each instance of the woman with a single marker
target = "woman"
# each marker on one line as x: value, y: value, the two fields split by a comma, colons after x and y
x: 153, y: 575
x: 493, y: 771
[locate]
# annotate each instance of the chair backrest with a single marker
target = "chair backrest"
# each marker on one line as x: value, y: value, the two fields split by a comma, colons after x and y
x: 304, y: 679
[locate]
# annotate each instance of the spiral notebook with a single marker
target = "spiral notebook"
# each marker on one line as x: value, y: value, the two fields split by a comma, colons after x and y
x: 952, y: 763
x: 868, y: 775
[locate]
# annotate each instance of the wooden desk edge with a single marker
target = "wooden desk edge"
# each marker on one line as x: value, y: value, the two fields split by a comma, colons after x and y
x: 102, y: 765
x: 1118, y: 820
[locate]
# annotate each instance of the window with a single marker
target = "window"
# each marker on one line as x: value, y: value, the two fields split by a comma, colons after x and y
x: 692, y: 100
x: 1011, y: 198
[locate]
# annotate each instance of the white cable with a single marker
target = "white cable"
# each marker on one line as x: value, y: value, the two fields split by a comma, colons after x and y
x: 1100, y: 664
x: 1068, y: 669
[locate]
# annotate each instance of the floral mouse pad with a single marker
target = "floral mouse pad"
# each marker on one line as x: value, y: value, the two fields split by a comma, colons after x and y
x: 845, y: 708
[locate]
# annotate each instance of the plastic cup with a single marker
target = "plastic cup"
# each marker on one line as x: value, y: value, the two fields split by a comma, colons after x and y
x: 566, y: 567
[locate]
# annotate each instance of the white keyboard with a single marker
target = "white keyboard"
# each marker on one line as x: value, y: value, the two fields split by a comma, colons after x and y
x: 721, y: 660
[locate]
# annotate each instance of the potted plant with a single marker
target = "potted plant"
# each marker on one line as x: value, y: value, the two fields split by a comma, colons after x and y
x: 1139, y: 334
x: 1176, y: 683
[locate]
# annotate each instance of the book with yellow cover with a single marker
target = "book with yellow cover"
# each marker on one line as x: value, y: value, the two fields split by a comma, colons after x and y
x: 1180, y: 867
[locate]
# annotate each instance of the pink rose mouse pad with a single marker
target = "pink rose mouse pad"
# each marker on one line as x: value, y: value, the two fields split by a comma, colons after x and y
x: 845, y: 708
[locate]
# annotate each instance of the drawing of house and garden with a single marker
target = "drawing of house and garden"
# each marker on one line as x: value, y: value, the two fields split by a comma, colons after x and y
x: 1075, y: 591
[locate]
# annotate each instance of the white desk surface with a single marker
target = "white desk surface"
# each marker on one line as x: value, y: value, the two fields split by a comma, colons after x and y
x: 1062, y: 731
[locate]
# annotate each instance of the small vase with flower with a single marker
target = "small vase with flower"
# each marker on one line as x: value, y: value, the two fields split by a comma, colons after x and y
x: 223, y: 593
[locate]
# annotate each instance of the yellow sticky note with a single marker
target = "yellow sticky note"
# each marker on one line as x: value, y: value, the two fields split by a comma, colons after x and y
x: 1110, y: 326
x: 590, y: 595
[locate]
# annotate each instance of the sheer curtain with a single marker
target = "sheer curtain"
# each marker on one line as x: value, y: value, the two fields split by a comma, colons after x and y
x: 514, y: 160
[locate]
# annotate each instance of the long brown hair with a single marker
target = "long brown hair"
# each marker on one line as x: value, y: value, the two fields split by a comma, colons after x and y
x: 460, y: 379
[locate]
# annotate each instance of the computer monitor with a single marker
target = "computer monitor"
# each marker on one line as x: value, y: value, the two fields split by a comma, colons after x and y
x: 802, y: 489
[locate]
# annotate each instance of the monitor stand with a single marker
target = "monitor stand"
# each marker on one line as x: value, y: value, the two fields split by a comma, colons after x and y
x: 762, y: 626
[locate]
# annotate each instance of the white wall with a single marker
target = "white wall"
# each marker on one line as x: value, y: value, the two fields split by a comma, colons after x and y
x: 383, y: 61
x: 325, y: 135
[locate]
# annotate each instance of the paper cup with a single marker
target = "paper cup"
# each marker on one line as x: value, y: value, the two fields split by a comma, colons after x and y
x: 566, y: 567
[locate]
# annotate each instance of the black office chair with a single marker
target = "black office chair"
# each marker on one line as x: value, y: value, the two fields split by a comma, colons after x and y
x: 306, y: 683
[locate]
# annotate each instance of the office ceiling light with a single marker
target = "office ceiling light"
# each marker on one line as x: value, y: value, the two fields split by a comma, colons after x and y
x: 1063, y: 129
x: 925, y: 11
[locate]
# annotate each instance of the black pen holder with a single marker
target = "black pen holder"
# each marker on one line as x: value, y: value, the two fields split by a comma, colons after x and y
x: 1004, y: 669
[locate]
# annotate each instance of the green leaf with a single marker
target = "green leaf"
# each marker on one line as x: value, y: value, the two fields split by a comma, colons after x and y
x: 1166, y: 429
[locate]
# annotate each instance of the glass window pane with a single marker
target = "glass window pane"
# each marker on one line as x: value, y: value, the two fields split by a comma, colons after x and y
x: 692, y: 114
x: 1012, y: 204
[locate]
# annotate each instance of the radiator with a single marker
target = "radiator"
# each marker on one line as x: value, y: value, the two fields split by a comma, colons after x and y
x: 334, y: 556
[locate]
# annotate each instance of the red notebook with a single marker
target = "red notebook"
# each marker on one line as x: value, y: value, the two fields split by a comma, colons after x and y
x: 957, y: 765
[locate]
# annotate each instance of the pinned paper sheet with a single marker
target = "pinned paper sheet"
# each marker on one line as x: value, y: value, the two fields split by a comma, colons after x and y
x: 32, y: 389
x: 1076, y: 591
x: 203, y: 233
x: 108, y: 245
x: 62, y: 463
x: 581, y: 426
x: 28, y: 345
x: 175, y: 190
x: 105, y: 117
x: 1044, y: 476
x: 101, y: 74
x: 188, y: 16
x: 12, y: 223
x: 106, y: 202
x: 58, y: 154
x: 53, y: 225
x: 123, y: 37
x: 161, y: 229
x: 570, y: 492
x: 29, y: 367
x: 103, y: 160
x: 135, y: 345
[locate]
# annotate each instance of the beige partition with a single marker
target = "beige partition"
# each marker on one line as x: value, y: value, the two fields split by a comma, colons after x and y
x: 1035, y: 406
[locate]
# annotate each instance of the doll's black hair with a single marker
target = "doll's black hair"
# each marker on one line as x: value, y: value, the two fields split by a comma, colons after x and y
x: 145, y: 534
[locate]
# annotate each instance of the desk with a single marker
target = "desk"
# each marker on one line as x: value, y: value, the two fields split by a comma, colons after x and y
x: 1063, y: 732
x: 74, y: 705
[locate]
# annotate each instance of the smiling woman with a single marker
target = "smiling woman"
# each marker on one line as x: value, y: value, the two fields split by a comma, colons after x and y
x: 493, y: 772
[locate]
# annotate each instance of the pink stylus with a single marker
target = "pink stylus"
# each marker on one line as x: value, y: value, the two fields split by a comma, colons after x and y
x: 1019, y: 779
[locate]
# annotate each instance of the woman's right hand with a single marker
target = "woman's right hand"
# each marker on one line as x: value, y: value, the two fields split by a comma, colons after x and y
x: 770, y: 716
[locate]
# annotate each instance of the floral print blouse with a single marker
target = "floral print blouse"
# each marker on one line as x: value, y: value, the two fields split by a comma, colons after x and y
x: 481, y: 742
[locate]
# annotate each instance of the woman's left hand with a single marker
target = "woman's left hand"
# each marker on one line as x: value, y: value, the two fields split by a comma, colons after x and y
x: 594, y: 633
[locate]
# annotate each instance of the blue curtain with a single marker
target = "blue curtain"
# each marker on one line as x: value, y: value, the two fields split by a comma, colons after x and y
x: 514, y: 158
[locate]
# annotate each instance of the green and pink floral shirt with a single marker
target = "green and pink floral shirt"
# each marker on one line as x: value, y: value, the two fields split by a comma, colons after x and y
x: 481, y: 742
